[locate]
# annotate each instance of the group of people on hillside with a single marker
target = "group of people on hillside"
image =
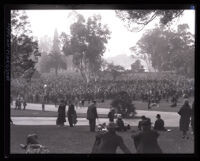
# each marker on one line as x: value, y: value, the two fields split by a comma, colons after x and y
x: 144, y: 89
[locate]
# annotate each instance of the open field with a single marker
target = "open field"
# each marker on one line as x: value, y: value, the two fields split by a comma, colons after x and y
x: 80, y: 140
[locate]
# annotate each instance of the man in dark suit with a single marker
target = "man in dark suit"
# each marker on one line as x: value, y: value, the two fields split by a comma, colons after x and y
x: 92, y: 116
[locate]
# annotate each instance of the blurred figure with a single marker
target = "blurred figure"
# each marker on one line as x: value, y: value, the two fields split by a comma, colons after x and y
x: 143, y: 118
x: 120, y: 124
x: 146, y: 140
x: 159, y: 124
x: 111, y: 115
x: 61, y: 114
x: 71, y: 114
x: 185, y: 113
x: 24, y: 104
x: 92, y: 116
x: 108, y: 142
x: 33, y: 146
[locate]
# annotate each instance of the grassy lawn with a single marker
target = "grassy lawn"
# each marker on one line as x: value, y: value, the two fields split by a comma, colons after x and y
x: 36, y: 113
x: 80, y: 140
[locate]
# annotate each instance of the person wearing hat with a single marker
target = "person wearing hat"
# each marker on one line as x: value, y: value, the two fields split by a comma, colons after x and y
x: 159, y: 123
x: 185, y: 113
x: 146, y: 140
x: 92, y: 116
x: 108, y: 142
x: 61, y: 114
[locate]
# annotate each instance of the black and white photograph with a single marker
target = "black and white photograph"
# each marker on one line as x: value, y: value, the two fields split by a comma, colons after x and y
x: 98, y: 81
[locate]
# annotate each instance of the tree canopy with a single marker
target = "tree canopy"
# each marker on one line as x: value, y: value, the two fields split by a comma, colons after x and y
x: 169, y: 50
x: 24, y: 48
x: 87, y: 44
x: 138, y: 19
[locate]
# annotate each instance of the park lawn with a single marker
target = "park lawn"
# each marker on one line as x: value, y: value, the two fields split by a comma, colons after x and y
x: 80, y: 140
x: 37, y: 113
x: 164, y: 106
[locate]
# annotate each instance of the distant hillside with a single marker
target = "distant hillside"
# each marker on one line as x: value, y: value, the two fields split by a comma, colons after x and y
x: 122, y: 60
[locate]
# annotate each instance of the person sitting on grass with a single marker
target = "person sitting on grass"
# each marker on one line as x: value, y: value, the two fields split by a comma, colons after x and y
x: 159, y: 124
x: 120, y: 124
x: 108, y: 142
x: 145, y: 141
x: 33, y: 146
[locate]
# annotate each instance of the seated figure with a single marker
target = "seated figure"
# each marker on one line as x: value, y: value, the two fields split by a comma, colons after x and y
x: 159, y: 124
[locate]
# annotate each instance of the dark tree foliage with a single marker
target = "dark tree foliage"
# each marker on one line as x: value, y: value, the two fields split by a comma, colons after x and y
x: 24, y: 49
x: 123, y: 104
x: 169, y: 50
x: 144, y: 17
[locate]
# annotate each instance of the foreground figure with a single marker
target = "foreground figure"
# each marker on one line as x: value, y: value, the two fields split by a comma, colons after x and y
x: 146, y: 140
x: 33, y: 146
x: 109, y: 141
x: 185, y: 112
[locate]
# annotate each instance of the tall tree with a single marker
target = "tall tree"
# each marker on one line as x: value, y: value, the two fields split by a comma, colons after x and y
x: 56, y: 59
x: 169, y: 50
x: 87, y: 45
x: 138, y: 19
x: 24, y: 48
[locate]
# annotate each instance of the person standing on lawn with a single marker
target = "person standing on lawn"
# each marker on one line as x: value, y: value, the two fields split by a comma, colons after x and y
x: 24, y: 104
x: 92, y: 116
x: 146, y: 140
x: 185, y: 113
x: 61, y: 114
x: 71, y: 114
x: 108, y: 142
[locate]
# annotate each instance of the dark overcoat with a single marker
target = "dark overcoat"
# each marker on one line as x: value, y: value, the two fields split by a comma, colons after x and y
x: 185, y: 112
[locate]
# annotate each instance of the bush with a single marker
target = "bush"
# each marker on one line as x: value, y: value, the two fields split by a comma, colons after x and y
x: 123, y: 104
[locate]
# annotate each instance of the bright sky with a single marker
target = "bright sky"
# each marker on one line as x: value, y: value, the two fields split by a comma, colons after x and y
x: 43, y: 22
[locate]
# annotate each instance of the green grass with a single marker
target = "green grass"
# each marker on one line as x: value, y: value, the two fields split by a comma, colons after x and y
x: 80, y: 140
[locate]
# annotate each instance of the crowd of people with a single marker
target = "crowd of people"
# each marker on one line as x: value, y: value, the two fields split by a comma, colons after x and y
x: 139, y: 89
x: 58, y: 89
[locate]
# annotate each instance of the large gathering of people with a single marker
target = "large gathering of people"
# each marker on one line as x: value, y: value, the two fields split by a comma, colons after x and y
x: 64, y: 92
x: 143, y: 89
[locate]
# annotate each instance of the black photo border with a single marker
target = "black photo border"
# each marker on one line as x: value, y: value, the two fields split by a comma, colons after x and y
x: 138, y: 4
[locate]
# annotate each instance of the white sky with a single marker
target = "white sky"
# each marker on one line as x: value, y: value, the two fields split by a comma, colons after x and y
x: 43, y: 22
